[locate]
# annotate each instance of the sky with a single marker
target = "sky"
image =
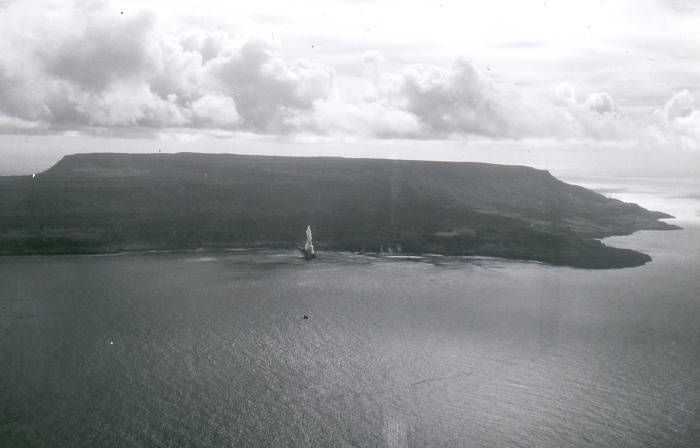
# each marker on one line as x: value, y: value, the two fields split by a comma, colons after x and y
x: 552, y: 83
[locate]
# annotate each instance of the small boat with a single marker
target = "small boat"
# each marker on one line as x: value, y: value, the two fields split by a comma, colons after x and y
x: 308, y: 250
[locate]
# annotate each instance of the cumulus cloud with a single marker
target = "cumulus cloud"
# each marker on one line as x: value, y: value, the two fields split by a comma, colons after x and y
x: 679, y: 121
x: 108, y: 69
x: 93, y: 68
x: 460, y: 99
x: 215, y: 109
x: 104, y: 50
x: 463, y: 100
x: 681, y: 105
x: 600, y: 102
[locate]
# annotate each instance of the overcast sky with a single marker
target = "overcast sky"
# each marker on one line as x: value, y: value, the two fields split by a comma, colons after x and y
x: 443, y: 80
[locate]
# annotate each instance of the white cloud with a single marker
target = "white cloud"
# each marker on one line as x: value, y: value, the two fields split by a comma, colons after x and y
x: 565, y: 94
x: 217, y: 110
x: 101, y: 68
x: 600, y: 102
x: 681, y: 105
x: 364, y: 119
x: 372, y: 63
x: 267, y: 91
x: 91, y: 67
x: 458, y: 100
x: 105, y: 48
x: 679, y: 121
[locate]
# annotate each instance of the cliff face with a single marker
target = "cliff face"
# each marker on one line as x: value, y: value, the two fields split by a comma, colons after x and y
x: 104, y: 202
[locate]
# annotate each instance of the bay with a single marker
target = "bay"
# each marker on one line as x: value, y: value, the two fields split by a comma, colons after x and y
x: 211, y: 348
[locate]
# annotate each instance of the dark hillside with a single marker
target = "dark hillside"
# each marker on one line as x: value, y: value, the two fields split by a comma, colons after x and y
x: 109, y: 202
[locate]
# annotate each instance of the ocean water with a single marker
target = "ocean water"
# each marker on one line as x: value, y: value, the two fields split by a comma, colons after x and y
x: 212, y: 348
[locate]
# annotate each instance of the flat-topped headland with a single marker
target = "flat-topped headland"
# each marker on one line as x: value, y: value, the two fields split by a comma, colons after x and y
x: 104, y: 202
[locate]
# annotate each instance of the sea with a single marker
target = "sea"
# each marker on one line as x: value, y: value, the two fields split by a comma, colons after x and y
x: 242, y: 348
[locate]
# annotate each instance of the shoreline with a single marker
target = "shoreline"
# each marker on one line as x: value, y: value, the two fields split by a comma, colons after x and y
x: 636, y: 259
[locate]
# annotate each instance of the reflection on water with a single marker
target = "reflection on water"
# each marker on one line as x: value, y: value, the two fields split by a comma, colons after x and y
x: 211, y: 348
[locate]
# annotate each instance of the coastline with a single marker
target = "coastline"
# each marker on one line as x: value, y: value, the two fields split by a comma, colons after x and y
x: 93, y: 204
